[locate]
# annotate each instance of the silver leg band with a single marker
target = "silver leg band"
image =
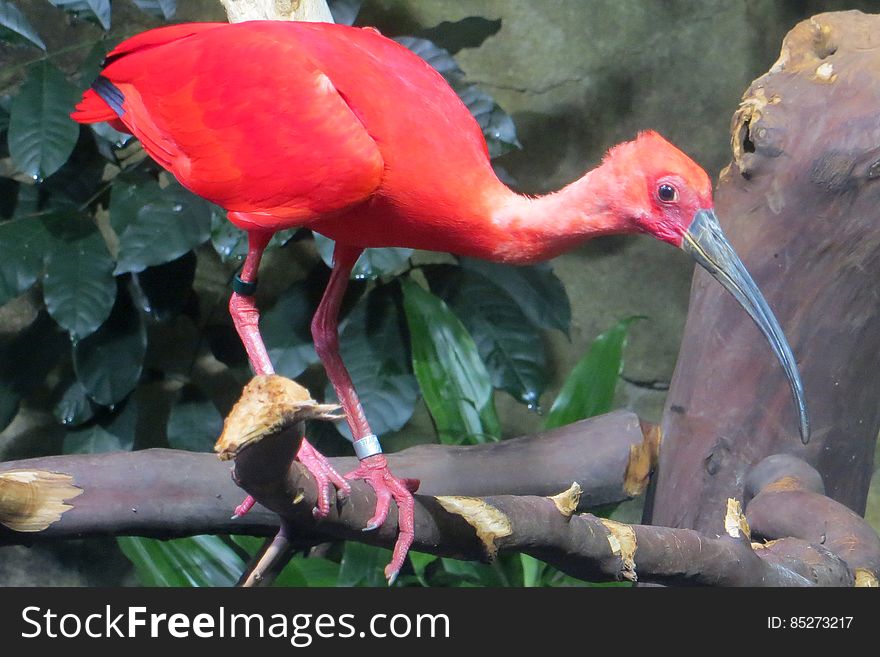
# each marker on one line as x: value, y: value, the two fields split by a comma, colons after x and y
x: 367, y: 446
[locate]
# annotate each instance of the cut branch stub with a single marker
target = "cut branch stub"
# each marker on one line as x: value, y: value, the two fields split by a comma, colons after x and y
x: 622, y: 539
x: 567, y: 501
x: 31, y: 500
x: 268, y: 405
x: 490, y: 523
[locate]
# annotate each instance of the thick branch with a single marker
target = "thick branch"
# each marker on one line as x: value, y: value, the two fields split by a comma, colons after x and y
x: 789, y: 500
x: 581, y: 545
x: 167, y: 493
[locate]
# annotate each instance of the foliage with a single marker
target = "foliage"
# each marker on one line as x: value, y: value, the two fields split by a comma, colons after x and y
x: 106, y: 246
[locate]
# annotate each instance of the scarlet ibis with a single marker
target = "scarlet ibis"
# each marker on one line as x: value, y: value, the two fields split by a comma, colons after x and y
x: 340, y: 129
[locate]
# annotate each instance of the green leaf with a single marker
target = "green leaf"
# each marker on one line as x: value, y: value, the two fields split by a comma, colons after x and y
x: 537, y: 290
x: 194, y: 423
x: 74, y: 408
x: 230, y: 242
x: 78, y: 285
x: 344, y: 12
x: 96, y: 10
x: 23, y: 245
x: 309, y: 571
x: 193, y: 561
x: 452, y: 377
x: 112, y: 433
x: 496, y: 124
x: 300, y: 570
x: 109, y: 362
x: 470, y: 573
x: 420, y: 562
x: 589, y: 389
x: 372, y: 264
x: 363, y: 565
x: 169, y: 222
x: 509, y: 344
x: 533, y: 570
x: 372, y: 348
x: 159, y: 8
x: 439, y: 58
x: 286, y: 331
x: 13, y: 20
x: 41, y: 133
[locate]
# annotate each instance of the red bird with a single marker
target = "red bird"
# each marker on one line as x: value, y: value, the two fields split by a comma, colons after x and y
x: 339, y: 129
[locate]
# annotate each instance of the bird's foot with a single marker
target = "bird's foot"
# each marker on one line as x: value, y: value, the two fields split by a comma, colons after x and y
x: 246, y: 505
x: 374, y: 470
x: 326, y: 478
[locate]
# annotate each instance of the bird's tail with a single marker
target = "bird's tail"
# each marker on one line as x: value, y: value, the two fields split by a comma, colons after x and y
x: 94, y: 109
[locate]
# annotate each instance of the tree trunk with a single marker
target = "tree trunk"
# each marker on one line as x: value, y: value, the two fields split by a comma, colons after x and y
x: 801, y: 204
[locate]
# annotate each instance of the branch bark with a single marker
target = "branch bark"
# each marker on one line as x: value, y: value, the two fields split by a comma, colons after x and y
x: 168, y: 493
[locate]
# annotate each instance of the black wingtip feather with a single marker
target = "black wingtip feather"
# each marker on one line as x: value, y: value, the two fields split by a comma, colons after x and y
x: 110, y: 94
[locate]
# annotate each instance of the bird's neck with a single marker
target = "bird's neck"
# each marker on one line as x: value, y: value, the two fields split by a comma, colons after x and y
x: 539, y: 228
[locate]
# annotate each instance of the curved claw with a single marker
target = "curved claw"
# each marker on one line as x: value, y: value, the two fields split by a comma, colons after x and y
x: 374, y: 470
x: 326, y: 478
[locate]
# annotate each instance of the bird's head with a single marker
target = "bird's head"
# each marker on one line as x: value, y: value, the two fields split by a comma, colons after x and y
x: 664, y: 193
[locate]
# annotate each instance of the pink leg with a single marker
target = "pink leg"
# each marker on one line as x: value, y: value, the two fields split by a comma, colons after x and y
x: 246, y: 318
x: 373, y: 467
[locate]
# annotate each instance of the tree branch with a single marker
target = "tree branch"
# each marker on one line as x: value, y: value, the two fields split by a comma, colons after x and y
x: 168, y: 493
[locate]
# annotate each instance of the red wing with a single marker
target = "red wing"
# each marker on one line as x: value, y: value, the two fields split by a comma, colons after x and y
x: 245, y: 119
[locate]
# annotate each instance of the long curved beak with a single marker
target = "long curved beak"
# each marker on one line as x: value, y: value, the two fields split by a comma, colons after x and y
x: 705, y: 242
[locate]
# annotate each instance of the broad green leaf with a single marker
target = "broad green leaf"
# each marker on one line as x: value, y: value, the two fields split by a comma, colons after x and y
x: 344, y: 12
x: 510, y: 346
x: 74, y: 408
x: 309, y: 571
x: 13, y: 20
x: 452, y: 377
x: 159, y: 8
x: 169, y: 222
x: 91, y: 66
x: 373, y: 263
x: 300, y: 570
x: 130, y: 192
x: 78, y: 284
x: 533, y: 570
x: 109, y: 362
x: 112, y: 433
x: 537, y: 290
x: 41, y: 133
x: 589, y: 389
x: 363, y: 565
x: 194, y: 423
x: 496, y: 124
x: 470, y: 573
x: 23, y: 245
x: 372, y: 348
x: 420, y: 562
x: 193, y: 561
x: 97, y: 10
x: 230, y: 242
x: 439, y: 58
x: 286, y: 331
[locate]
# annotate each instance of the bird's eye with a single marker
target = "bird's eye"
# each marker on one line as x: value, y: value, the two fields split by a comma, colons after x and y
x: 667, y: 193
